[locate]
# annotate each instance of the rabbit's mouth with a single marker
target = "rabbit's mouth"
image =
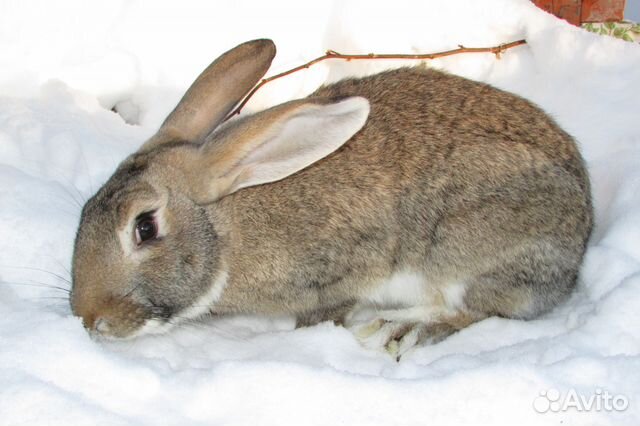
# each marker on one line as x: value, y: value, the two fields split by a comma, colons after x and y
x: 114, y: 318
x: 131, y: 323
x: 144, y: 319
x: 150, y: 326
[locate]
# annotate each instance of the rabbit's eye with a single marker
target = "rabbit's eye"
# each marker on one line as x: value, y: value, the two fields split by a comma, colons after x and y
x: 146, y: 229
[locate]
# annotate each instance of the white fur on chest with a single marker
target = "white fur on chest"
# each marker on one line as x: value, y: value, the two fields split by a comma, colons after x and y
x: 200, y: 307
x: 203, y: 304
x: 409, y: 296
x: 403, y: 289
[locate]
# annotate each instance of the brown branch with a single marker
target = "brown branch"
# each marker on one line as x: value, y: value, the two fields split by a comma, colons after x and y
x: 332, y: 54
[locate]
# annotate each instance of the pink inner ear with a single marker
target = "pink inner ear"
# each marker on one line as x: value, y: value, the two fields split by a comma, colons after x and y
x: 295, y: 138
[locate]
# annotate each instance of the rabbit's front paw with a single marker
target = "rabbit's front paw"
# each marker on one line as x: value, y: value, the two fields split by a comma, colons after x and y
x: 398, y: 337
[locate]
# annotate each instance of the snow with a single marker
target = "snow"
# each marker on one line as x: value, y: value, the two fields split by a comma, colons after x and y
x: 66, y: 64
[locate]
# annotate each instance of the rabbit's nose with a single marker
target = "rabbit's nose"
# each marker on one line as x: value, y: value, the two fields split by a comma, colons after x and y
x: 101, y: 325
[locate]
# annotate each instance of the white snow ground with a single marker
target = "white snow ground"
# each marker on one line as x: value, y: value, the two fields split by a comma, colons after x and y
x: 65, y: 64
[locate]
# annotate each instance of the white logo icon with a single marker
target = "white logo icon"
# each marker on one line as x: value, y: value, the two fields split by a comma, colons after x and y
x: 600, y: 400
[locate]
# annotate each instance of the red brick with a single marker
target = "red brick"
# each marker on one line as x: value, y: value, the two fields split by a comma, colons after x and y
x: 602, y: 10
x: 579, y: 11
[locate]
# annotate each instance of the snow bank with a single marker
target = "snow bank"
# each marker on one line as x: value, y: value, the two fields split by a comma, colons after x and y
x: 66, y: 64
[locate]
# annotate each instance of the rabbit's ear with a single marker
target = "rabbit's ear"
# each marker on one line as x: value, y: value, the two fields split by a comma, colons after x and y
x: 275, y: 144
x: 215, y: 92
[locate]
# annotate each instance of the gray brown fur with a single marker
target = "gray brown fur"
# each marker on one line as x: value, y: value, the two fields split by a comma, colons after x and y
x: 451, y: 178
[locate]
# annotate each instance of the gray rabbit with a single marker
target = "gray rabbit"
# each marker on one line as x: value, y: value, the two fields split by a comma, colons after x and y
x: 405, y: 205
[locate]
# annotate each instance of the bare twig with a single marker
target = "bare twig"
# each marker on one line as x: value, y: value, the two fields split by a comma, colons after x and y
x: 332, y: 54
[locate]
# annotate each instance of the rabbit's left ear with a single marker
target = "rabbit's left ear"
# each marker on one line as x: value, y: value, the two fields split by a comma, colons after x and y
x: 214, y: 93
x: 274, y: 144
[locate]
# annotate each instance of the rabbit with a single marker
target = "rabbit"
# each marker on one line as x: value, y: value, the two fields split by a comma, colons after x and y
x: 404, y: 205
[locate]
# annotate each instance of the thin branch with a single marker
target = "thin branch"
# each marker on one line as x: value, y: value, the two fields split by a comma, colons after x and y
x: 332, y: 54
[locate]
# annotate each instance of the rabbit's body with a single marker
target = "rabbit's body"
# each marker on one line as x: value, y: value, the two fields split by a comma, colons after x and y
x: 454, y: 202
x: 477, y: 193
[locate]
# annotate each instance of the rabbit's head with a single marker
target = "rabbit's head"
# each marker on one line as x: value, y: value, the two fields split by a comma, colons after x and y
x: 148, y: 251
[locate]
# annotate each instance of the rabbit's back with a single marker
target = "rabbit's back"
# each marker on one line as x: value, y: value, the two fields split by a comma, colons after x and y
x: 423, y: 111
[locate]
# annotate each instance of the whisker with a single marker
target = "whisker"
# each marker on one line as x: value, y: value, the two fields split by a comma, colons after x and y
x: 52, y: 286
x: 29, y: 268
x: 59, y: 173
x: 194, y: 323
x: 56, y: 307
x: 68, y: 213
x: 127, y: 294
x: 71, y: 196
x: 62, y: 266
x: 86, y: 167
x: 69, y: 182
x: 37, y: 284
x: 50, y: 297
x: 83, y: 197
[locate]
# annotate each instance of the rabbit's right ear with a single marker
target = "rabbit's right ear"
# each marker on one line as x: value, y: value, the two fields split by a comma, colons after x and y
x: 215, y: 92
x: 272, y: 145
